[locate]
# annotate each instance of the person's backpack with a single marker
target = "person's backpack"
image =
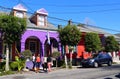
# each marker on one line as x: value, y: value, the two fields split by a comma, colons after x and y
x: 49, y: 59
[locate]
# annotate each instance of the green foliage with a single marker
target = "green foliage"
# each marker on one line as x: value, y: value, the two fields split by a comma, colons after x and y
x: 17, y: 64
x: 6, y: 73
x: 111, y: 44
x: 2, y: 66
x: 92, y: 42
x: 26, y: 54
x: 69, y: 35
x: 14, y: 65
x: 70, y: 65
x: 62, y: 64
x: 12, y: 28
x: 55, y: 54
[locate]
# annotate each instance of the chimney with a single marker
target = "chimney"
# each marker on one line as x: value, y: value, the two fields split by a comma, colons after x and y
x: 59, y: 26
x: 70, y: 22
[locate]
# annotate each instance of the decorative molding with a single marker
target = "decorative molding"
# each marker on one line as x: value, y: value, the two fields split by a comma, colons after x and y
x: 20, y: 7
x: 42, y: 11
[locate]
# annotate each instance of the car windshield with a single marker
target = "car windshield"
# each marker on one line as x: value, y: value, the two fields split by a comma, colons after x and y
x: 95, y: 55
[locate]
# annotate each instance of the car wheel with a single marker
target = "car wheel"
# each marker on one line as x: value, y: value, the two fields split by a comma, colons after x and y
x: 95, y: 64
x: 109, y: 63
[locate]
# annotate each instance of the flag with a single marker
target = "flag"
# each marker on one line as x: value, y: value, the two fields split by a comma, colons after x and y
x: 48, y: 37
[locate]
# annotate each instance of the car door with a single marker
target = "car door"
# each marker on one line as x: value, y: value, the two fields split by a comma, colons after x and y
x: 101, y: 58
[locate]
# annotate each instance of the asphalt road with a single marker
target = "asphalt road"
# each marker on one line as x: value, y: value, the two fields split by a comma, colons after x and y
x: 105, y: 72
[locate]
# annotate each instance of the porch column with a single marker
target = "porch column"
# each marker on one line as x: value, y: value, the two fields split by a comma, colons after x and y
x: 59, y: 47
x: 43, y: 47
x: 22, y: 46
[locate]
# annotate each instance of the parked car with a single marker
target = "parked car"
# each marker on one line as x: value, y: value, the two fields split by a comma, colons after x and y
x: 98, y: 60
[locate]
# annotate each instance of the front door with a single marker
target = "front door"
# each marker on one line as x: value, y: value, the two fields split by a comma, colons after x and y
x: 33, y: 46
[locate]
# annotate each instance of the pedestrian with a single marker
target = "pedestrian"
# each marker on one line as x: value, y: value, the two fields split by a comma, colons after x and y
x: 44, y: 63
x: 49, y: 63
x: 34, y: 61
x: 37, y: 63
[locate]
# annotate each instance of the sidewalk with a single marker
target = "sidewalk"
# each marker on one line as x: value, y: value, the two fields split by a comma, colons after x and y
x: 116, y: 59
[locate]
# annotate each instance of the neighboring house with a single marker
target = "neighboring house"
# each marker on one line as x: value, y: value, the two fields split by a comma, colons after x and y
x: 87, y: 28
x: 118, y: 35
x: 80, y: 48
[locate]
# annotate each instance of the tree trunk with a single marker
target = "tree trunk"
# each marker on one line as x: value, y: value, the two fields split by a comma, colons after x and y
x: 71, y: 58
x: 66, y: 61
x: 7, y: 59
x: 66, y: 65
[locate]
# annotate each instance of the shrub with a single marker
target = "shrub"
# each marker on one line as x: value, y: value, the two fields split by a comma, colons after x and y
x: 60, y: 62
x: 14, y: 65
x: 2, y: 65
x: 55, y: 54
x: 17, y: 64
x: 69, y: 65
x: 6, y: 73
x: 26, y: 54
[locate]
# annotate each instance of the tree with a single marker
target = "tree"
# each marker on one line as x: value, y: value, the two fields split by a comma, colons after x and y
x: 111, y: 44
x: 92, y: 42
x: 11, y: 28
x: 69, y: 35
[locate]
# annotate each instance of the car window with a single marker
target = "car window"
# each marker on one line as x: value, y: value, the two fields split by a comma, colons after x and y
x: 107, y: 55
x: 99, y: 56
x: 102, y: 55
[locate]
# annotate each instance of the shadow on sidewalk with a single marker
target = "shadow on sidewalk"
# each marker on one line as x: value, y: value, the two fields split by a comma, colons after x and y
x: 117, y: 76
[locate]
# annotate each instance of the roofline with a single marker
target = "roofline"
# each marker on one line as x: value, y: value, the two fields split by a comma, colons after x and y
x: 41, y: 28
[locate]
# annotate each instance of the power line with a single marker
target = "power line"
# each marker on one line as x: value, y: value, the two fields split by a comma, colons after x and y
x: 27, y: 5
x: 95, y: 11
x: 84, y: 5
x: 79, y: 12
x: 67, y: 21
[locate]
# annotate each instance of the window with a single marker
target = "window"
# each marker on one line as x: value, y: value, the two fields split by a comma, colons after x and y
x: 41, y: 20
x: 19, y: 14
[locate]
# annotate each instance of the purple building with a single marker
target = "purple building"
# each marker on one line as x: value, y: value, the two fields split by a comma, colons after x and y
x: 40, y: 37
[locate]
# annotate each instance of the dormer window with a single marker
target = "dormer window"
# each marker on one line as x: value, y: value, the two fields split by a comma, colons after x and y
x: 41, y: 20
x: 19, y: 11
x: 19, y: 14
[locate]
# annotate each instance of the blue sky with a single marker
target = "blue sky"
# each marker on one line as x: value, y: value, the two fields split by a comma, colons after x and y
x: 101, y: 13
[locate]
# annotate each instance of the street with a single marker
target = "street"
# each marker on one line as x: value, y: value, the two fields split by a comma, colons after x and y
x: 105, y: 72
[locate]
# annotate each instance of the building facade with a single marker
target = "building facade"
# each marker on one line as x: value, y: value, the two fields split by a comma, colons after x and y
x: 40, y: 37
